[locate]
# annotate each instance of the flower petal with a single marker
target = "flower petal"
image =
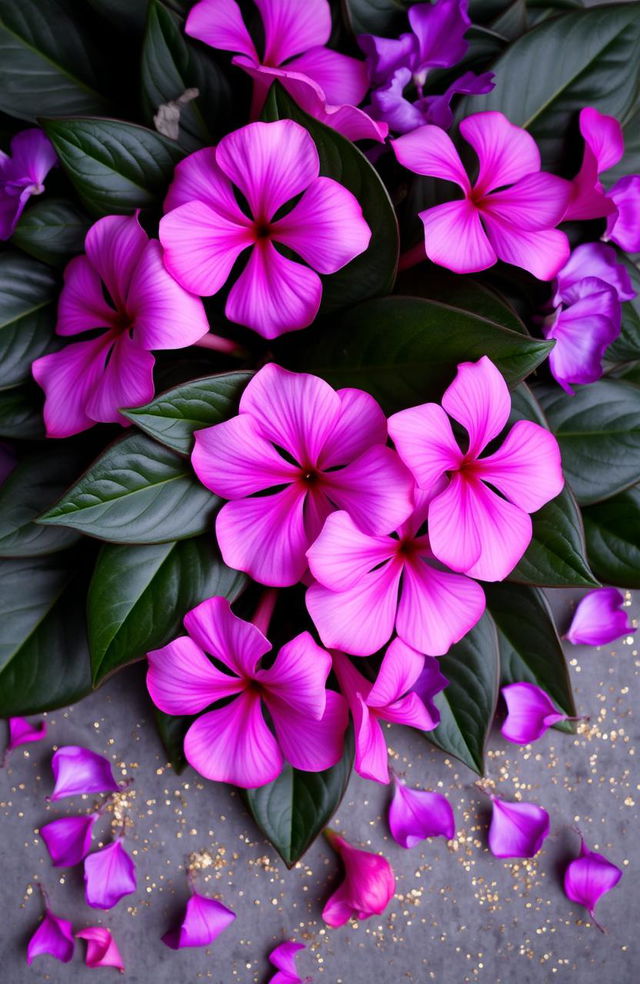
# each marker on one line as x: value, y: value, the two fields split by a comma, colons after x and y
x: 337, y: 910
x: 369, y: 880
x: 343, y: 554
x: 229, y: 639
x: 181, y: 680
x: 284, y: 959
x: 353, y: 123
x: 594, y: 260
x: 101, y: 948
x: 343, y: 79
x: 113, y: 246
x: 479, y: 399
x: 298, y: 676
x: 603, y: 136
x: 54, y: 936
x: 599, y: 619
x: 33, y: 154
x: 204, y: 920
x: 527, y: 468
x: 22, y: 731
x: 517, y: 830
x: 454, y: 237
x: 371, y: 758
x: 386, y: 55
x: 399, y: 670
x: 415, y: 814
x: 537, y: 201
x: 425, y: 442
x: 430, y: 682
x: 506, y: 152
x: 436, y: 608
x: 82, y: 305
x: 198, y: 178
x: 436, y: 109
x: 69, y: 378
x: 109, y: 875
x: 309, y: 744
x: 125, y: 380
x: 292, y: 27
x: 439, y: 29
x: 623, y: 226
x: 376, y: 490
x: 429, y: 150
x: 530, y: 713
x: 68, y: 839
x: 542, y: 252
x: 219, y: 24
x: 78, y: 771
x: 360, y: 424
x: 589, y: 877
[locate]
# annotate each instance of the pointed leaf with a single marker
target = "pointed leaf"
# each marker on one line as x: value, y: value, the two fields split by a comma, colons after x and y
x: 52, y: 230
x: 613, y: 538
x: 28, y: 299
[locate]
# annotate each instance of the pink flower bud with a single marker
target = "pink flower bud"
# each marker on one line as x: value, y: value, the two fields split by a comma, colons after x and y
x: 53, y: 936
x: 417, y: 813
x: 109, y: 875
x: 203, y: 921
x: 101, y: 948
x: 530, y: 713
x: 77, y: 771
x: 68, y: 839
x: 368, y: 885
x: 517, y: 830
x: 589, y: 877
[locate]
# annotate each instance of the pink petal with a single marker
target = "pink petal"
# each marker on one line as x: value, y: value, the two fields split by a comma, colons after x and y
x: 542, y: 252
x: 203, y: 921
x: 326, y: 227
x: 376, y: 490
x: 603, y: 136
x: 398, y: 672
x: 436, y: 608
x: 181, y: 680
x: 284, y: 959
x: 109, y: 875
x: 265, y: 536
x: 425, y: 442
x: 101, y: 948
x: 360, y: 424
x: 273, y: 294
x: 219, y: 24
x: 309, y: 744
x: 371, y: 758
x: 53, y: 936
x: 479, y: 399
x: 353, y: 123
x: 368, y: 886
x: 595, y: 260
x: 234, y: 460
x: 344, y: 80
x: 527, y: 468
x: 604, y: 146
x: 233, y: 744
x: 198, y: 178
x: 113, y: 246
x: 599, y: 619
x: 337, y: 909
x: 454, y: 237
x: 201, y: 246
x: 21, y: 732
x: 68, y: 839
x: 342, y: 555
x: 69, y: 378
x: 229, y: 639
x: 517, y: 830
x: 82, y: 305
x: 298, y: 677
x: 126, y: 380
x: 589, y: 877
x: 623, y: 226
x: 537, y: 201
x: 77, y: 771
x: 530, y: 713
x: 293, y: 27
x: 506, y: 152
x: 415, y: 814
x: 429, y: 150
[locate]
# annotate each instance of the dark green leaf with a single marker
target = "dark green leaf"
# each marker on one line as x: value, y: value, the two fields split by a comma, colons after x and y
x: 630, y: 163
x: 530, y: 648
x: 21, y: 412
x: 172, y: 731
x: 115, y: 166
x: 28, y: 297
x: 53, y: 231
x: 598, y: 430
x: 173, y: 416
x: 613, y: 538
x: 292, y: 810
x: 129, y: 15
x: 384, y: 17
x: 136, y: 492
x: 468, y: 703
x: 626, y: 347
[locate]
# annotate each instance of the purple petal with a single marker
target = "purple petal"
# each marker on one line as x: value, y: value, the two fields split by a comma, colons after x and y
x: 389, y: 103
x: 385, y: 56
x: 21, y: 732
x: 589, y: 877
x: 430, y: 682
x: 594, y: 260
x: 582, y: 332
x: 109, y: 875
x: 53, y: 936
x: 101, y: 948
x: 415, y: 814
x: 284, y: 959
x: 203, y: 921
x: 623, y: 226
x: 437, y: 109
x: 439, y: 29
x: 68, y: 839
x: 599, y: 619
x: 517, y: 830
x: 77, y: 770
x: 530, y: 713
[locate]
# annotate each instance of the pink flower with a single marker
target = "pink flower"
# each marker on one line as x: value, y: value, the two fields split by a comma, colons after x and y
x: 283, y: 959
x: 22, y: 175
x: 415, y: 814
x: 471, y: 528
x: 78, y: 771
x: 233, y: 743
x: 203, y: 921
x: 603, y: 148
x: 599, y: 619
x: 517, y: 830
x: 367, y: 585
x: 122, y: 287
x: 53, y: 936
x: 206, y: 231
x: 109, y: 875
x: 589, y: 877
x: 508, y: 214
x: 22, y: 732
x: 313, y: 450
x: 101, y: 948
x: 68, y: 839
x: 530, y: 713
x: 389, y: 698
x: 368, y: 885
x: 623, y: 225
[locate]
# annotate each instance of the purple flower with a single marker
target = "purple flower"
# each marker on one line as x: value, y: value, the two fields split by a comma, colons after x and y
x: 78, y: 771
x: 109, y: 875
x: 101, y: 948
x: 589, y: 877
x: 430, y: 682
x: 530, y: 713
x: 418, y: 813
x: 599, y: 619
x: 22, y: 732
x: 204, y: 919
x: 598, y: 261
x: 22, y: 174
x: 68, y: 839
x: 284, y: 959
x: 53, y: 936
x: 390, y: 104
x: 517, y: 830
x: 368, y: 886
x: 623, y: 225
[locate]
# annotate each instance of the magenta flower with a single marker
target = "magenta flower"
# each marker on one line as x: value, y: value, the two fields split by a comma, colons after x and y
x: 517, y: 830
x: 368, y: 886
x: 389, y: 698
x: 589, y: 877
x: 203, y: 921
x: 508, y: 214
x: 53, y: 936
x: 122, y: 287
x: 78, y: 771
x: 530, y: 712
x: 283, y: 959
x: 623, y: 225
x: 22, y: 175
x: 313, y: 450
x: 415, y: 814
x: 233, y: 743
x: 68, y: 839
x: 369, y: 584
x: 21, y: 732
x: 205, y: 230
x: 389, y: 102
x: 102, y: 950
x: 109, y: 875
x: 471, y: 528
x: 599, y: 619
x: 603, y: 148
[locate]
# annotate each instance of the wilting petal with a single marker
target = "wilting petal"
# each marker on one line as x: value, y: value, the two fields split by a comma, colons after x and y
x: 398, y: 672
x: 292, y: 27
x: 517, y: 830
x: 101, y: 948
x: 439, y: 30
x: 126, y: 380
x: 527, y: 468
x: 219, y: 24
x: 233, y: 744
x: 431, y: 151
x: 479, y: 399
x: 203, y: 921
x: 229, y: 639
x: 415, y: 814
x: 68, y: 839
x: 298, y: 676
x: 198, y: 178
x: 343, y: 554
x: 113, y: 246
x: 53, y: 936
x: 360, y: 424
x: 376, y: 490
x: 589, y: 877
x: 436, y: 608
x: 594, y: 260
x: 109, y: 875
x: 430, y: 682
x: 506, y: 152
x: 583, y: 331
x: 455, y: 238
x: 82, y: 305
x: 530, y: 712
x: 284, y: 959
x: 623, y: 226
x: 21, y: 732
x: 389, y: 103
x: 599, y: 619
x: 309, y: 744
x: 78, y: 771
x: 425, y: 442
x: 537, y: 201
x: 368, y: 886
x: 542, y: 252
x: 342, y: 79
x: 181, y: 680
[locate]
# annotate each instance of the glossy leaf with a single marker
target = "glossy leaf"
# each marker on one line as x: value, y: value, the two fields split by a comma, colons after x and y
x: 136, y: 492
x: 52, y: 230
x: 21, y: 412
x: 28, y: 298
x: 172, y: 417
x: 293, y: 810
x: 129, y: 15
x: 376, y: 16
x: 468, y: 703
x: 139, y: 595
x: 613, y: 538
x: 115, y: 166
x: 626, y: 347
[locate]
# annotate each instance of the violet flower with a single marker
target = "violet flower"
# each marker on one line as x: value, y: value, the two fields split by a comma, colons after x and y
x: 204, y: 919
x: 415, y: 814
x: 623, y: 225
x: 589, y: 877
x: 22, y: 174
x: 430, y: 682
x: 102, y: 950
x: 21, y: 732
x: 531, y: 712
x: 368, y: 886
x: 78, y: 771
x: 109, y: 875
x: 517, y: 830
x: 390, y: 104
x: 68, y: 839
x: 54, y: 936
x: 283, y: 959
x: 599, y: 619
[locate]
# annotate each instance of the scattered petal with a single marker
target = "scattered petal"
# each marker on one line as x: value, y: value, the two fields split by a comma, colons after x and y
x: 589, y: 877
x: 53, y: 936
x: 78, y: 770
x: 68, y: 839
x: 102, y: 950
x: 284, y: 959
x: 21, y: 732
x: 203, y: 921
x: 109, y: 875
x: 599, y: 619
x: 415, y: 814
x: 530, y: 713
x: 368, y: 886
x: 517, y: 830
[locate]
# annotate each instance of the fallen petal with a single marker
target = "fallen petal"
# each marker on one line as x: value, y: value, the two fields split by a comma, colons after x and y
x: 517, y: 830
x: 77, y: 771
x: 368, y: 886
x: 530, y: 713
x: 203, y: 921
x: 415, y: 814
x: 21, y: 732
x: 101, y: 948
x: 109, y: 875
x: 284, y: 959
x: 589, y: 877
x: 599, y: 619
x: 68, y: 839
x: 53, y: 936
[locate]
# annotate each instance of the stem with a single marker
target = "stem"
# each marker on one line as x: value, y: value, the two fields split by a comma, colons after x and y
x: 412, y: 257
x: 220, y: 344
x: 191, y: 880
x: 264, y: 611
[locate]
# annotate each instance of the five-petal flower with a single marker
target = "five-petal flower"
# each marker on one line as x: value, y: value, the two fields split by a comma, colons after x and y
x: 22, y: 174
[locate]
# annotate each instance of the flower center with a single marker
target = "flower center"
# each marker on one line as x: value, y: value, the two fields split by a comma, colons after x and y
x: 261, y: 230
x: 310, y: 477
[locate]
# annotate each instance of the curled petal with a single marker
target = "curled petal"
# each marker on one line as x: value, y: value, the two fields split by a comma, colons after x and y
x: 368, y: 886
x: 506, y: 152
x: 68, y: 839
x: 53, y: 936
x: 109, y: 875
x: 22, y: 732
x: 623, y: 225
x: 415, y: 814
x: 517, y: 830
x: 599, y: 619
x: 583, y: 331
x: 78, y: 770
x: 430, y: 682
x: 439, y: 31
x: 283, y: 959
x: 589, y: 877
x: 229, y: 639
x: 102, y: 950
x: 594, y: 260
x: 530, y: 712
x: 398, y: 672
x: 604, y: 147
x: 203, y: 921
